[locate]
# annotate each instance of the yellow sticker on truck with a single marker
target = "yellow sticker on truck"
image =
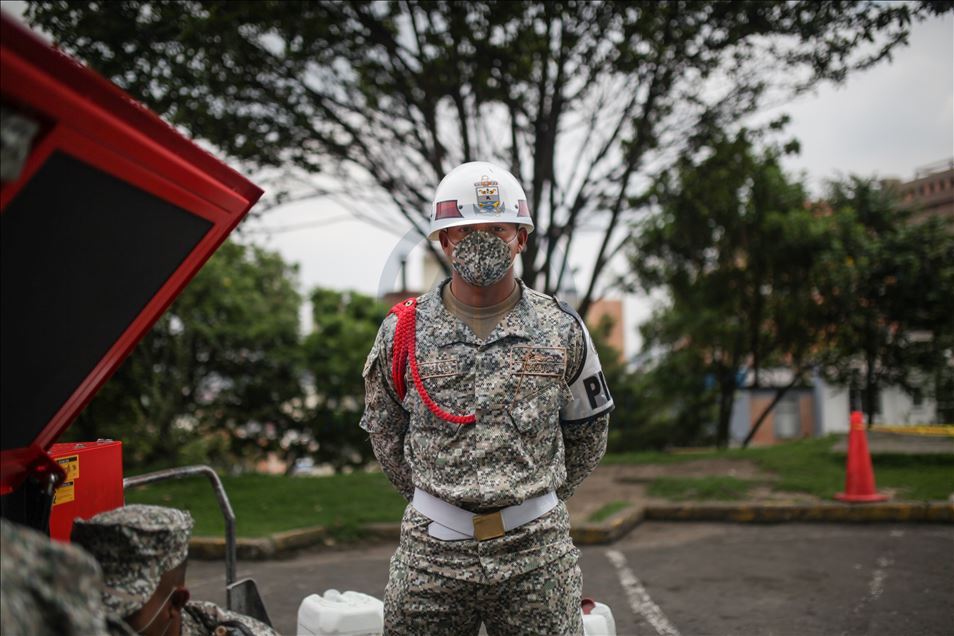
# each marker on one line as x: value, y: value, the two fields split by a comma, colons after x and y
x: 71, y: 465
x: 64, y: 493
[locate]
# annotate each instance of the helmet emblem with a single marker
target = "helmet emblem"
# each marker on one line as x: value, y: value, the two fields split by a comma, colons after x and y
x: 488, y: 195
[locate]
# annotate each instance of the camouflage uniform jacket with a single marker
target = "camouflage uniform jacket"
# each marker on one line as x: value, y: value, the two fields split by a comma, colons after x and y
x: 521, y: 446
x: 201, y: 618
x: 48, y: 587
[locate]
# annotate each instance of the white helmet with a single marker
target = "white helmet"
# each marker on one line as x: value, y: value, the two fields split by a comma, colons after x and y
x: 478, y: 192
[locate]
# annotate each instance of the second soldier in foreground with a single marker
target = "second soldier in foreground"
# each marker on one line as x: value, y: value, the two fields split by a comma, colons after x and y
x: 142, y: 551
x: 486, y: 408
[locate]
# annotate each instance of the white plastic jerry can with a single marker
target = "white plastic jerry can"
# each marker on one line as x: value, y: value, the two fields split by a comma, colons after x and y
x: 597, y: 619
x: 340, y: 614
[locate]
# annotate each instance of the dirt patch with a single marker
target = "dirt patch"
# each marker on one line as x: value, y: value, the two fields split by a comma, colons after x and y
x: 738, y: 468
x: 624, y: 482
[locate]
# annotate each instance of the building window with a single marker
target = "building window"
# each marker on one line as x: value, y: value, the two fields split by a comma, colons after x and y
x: 787, y: 422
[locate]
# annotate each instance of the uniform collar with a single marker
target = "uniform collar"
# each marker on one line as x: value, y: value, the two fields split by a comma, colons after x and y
x: 442, y: 328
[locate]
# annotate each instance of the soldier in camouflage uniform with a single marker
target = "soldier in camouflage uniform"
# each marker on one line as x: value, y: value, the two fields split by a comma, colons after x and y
x: 48, y: 588
x: 142, y: 551
x: 502, y: 414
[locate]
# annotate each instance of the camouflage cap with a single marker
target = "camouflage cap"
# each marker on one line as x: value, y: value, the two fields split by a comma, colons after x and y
x: 135, y: 545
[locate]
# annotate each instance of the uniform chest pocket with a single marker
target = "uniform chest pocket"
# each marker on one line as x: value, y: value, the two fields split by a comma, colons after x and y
x: 440, y: 374
x: 537, y: 369
x: 538, y: 411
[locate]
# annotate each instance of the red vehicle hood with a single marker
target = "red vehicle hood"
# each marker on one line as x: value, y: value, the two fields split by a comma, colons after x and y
x: 109, y: 217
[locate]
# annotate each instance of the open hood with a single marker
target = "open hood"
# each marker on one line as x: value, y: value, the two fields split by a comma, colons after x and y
x: 106, y: 213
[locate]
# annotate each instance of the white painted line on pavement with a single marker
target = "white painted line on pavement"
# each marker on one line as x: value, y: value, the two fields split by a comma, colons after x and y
x: 876, y: 586
x: 638, y: 598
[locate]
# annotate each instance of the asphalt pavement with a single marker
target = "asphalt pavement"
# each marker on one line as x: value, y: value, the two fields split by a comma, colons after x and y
x: 694, y: 579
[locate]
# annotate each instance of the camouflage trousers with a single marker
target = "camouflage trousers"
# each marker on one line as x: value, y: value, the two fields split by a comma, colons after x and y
x: 543, y: 601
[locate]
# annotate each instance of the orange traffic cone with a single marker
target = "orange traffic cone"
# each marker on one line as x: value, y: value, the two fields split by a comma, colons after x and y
x: 859, y: 475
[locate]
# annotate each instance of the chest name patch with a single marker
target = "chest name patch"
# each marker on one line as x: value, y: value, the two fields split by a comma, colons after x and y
x: 547, y: 361
x: 438, y: 368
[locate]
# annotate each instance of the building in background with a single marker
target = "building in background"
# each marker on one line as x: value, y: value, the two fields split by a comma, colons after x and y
x: 816, y: 409
x: 610, y: 309
x: 930, y: 192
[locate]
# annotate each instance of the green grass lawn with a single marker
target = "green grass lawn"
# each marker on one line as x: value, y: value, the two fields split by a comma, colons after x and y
x: 264, y: 504
x: 607, y: 511
x: 809, y: 466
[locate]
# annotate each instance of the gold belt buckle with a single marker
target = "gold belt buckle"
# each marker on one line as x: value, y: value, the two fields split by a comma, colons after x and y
x: 489, y: 526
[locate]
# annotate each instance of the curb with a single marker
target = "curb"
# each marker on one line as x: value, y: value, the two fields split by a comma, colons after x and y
x: 924, y: 512
x: 382, y: 531
x: 610, y: 530
x: 282, y: 544
x: 213, y: 548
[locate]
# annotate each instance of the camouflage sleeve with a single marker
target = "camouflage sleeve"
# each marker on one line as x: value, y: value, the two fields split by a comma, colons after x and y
x: 584, y: 441
x: 584, y: 445
x: 201, y: 618
x: 384, y: 418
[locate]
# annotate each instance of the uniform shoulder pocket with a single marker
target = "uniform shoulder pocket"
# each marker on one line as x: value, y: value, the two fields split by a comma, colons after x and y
x: 378, y: 348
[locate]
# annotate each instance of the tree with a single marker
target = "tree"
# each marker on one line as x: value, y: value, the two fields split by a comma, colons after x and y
x: 335, y: 352
x: 216, y: 377
x: 584, y: 101
x: 734, y: 245
x: 891, y: 294
x: 758, y: 276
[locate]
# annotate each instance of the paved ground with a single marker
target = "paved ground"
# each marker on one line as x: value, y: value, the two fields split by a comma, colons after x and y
x: 697, y: 579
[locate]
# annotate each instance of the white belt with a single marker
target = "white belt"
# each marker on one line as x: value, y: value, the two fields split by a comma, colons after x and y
x: 451, y: 523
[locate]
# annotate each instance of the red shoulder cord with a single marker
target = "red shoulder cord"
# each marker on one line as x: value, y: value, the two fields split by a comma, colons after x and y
x: 404, y: 352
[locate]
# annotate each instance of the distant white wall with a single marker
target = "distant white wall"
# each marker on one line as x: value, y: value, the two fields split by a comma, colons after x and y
x: 831, y: 409
x: 897, y: 407
x: 832, y: 406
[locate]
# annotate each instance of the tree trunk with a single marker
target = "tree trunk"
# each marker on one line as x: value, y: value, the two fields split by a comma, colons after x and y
x: 870, y: 388
x: 726, y: 396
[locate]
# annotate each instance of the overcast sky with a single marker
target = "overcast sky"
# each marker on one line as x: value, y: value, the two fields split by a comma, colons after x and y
x: 887, y: 121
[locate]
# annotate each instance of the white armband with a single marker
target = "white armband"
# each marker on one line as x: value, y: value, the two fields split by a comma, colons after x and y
x: 590, y: 396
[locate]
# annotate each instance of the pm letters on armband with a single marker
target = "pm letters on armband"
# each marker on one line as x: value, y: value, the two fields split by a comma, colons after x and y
x: 590, y: 395
x: 596, y: 390
x: 589, y: 392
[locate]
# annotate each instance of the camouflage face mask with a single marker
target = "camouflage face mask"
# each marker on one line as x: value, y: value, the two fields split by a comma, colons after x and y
x: 482, y: 258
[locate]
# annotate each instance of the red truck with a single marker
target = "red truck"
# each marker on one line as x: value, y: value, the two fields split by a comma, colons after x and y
x: 106, y: 213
